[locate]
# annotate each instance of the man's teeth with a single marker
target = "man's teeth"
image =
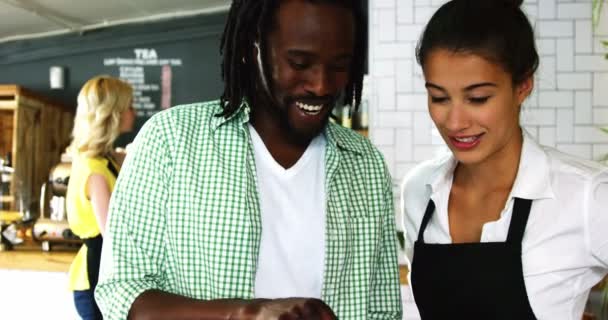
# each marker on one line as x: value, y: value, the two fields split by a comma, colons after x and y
x: 309, y: 108
x: 467, y: 139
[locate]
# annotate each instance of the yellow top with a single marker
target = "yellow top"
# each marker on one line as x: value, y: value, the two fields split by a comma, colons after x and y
x: 10, y: 216
x: 80, y: 211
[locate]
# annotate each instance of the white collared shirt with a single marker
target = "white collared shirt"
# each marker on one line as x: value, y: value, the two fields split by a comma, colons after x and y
x: 565, y: 245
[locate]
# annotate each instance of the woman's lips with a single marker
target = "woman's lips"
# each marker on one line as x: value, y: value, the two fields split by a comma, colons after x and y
x: 465, y: 142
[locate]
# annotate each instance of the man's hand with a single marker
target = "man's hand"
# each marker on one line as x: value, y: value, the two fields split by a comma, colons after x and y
x: 159, y: 305
x: 287, y: 309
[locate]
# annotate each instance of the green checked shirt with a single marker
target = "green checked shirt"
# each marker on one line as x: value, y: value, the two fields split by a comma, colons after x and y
x: 185, y: 217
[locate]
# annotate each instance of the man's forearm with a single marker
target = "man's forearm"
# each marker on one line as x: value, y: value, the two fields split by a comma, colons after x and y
x: 159, y: 305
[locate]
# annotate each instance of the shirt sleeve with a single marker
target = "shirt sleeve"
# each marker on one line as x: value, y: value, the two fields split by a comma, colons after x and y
x: 133, y: 249
x: 597, y: 214
x: 386, y: 290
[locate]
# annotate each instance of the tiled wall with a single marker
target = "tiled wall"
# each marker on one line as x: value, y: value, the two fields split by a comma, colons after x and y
x: 568, y: 106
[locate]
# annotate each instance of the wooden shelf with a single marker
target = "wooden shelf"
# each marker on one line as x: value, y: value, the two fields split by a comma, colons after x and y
x: 34, y: 130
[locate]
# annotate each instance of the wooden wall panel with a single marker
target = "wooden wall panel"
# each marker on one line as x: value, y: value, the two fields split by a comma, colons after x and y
x: 36, y: 131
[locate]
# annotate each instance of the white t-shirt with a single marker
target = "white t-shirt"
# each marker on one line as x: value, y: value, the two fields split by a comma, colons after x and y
x: 565, y: 245
x: 292, y: 203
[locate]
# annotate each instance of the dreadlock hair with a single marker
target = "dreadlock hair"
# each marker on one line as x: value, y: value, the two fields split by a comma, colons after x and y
x: 248, y: 22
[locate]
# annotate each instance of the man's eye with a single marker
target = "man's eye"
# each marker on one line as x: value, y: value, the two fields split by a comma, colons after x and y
x: 297, y: 65
x: 340, y: 68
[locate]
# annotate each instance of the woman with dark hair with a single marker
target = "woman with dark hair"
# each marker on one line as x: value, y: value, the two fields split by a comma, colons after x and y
x: 501, y: 227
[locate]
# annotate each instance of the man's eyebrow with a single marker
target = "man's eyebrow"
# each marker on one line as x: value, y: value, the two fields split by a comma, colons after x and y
x: 305, y: 53
x: 300, y: 52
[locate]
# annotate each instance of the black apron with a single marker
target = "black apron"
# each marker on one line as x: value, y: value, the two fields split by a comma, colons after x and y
x: 472, y: 280
x: 94, y: 246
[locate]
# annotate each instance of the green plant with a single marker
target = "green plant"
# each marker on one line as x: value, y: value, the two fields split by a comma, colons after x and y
x: 604, y: 309
x: 605, y: 157
x: 597, y: 6
x: 596, y: 11
x: 401, y: 238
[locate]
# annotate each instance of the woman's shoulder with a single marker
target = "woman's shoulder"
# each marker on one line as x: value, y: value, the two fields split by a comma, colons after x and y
x: 571, y: 168
x: 90, y: 164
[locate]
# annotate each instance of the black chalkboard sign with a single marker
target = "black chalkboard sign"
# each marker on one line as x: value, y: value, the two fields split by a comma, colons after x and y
x: 168, y: 63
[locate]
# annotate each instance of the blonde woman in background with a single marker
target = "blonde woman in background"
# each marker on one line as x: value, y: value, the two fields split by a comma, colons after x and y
x: 104, y: 112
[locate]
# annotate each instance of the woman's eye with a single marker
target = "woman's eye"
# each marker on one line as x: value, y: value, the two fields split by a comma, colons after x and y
x: 438, y: 99
x: 479, y: 100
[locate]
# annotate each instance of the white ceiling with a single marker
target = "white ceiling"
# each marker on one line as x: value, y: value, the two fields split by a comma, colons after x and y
x: 23, y: 19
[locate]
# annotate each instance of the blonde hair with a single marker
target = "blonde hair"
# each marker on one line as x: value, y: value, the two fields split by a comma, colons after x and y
x: 101, y: 102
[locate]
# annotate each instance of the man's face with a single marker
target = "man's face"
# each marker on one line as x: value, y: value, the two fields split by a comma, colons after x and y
x: 309, y: 54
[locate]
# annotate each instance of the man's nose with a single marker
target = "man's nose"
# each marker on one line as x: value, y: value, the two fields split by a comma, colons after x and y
x: 321, y: 82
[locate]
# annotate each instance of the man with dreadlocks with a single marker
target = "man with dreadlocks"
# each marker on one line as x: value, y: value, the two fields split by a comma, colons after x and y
x: 255, y: 206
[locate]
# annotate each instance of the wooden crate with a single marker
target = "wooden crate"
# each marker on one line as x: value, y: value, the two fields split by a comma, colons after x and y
x: 35, y: 131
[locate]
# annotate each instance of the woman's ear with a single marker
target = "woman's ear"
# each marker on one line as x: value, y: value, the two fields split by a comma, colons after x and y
x: 524, y: 89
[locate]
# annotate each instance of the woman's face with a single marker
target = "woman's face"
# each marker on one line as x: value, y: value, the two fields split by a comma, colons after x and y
x: 127, y: 119
x: 474, y: 105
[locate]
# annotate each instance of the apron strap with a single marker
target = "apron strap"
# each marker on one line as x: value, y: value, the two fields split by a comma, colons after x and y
x: 519, y: 220
x: 430, y: 208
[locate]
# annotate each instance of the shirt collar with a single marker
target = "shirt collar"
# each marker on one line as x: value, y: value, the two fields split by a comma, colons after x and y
x: 442, y: 176
x: 533, y: 180
x: 241, y: 114
x: 342, y: 138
